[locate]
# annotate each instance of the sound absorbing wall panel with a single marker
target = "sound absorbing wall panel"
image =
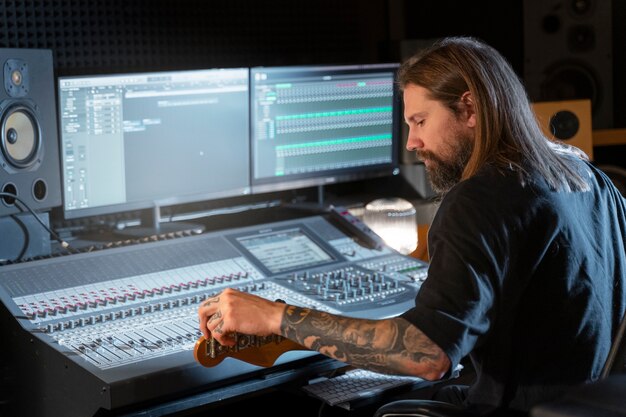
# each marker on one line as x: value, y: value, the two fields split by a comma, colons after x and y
x: 92, y: 36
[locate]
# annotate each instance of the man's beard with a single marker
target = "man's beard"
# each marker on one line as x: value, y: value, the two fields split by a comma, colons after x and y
x: 444, y: 174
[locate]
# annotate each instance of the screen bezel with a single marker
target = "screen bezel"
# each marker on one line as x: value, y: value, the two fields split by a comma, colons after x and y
x: 340, y: 175
x: 128, y: 206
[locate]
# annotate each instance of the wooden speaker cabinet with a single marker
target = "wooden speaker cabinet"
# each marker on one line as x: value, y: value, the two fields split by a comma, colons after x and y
x: 568, y: 121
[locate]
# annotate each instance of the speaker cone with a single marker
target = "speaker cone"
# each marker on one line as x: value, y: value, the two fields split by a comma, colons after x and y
x: 20, y: 137
x: 571, y: 81
x: 564, y: 124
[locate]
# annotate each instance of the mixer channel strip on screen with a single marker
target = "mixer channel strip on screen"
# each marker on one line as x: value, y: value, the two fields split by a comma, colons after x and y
x: 101, y: 324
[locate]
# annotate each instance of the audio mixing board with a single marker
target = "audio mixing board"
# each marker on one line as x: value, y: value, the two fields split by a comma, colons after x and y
x: 97, y: 333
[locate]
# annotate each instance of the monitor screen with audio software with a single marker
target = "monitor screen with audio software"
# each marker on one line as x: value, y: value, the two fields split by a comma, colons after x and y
x: 317, y: 125
x: 136, y: 141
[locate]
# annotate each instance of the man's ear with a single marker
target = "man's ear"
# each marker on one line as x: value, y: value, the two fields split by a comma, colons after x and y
x: 469, y: 110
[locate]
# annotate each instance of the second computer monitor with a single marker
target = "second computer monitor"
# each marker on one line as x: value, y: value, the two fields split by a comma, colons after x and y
x: 317, y: 125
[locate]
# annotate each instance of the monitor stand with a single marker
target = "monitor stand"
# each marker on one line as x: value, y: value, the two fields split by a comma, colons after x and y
x: 160, y: 228
x: 315, y: 207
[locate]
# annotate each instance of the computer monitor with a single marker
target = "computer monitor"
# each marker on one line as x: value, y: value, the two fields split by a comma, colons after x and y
x: 146, y: 140
x: 318, y: 125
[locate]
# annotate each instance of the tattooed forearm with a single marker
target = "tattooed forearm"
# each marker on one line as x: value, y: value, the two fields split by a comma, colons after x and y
x: 392, y: 345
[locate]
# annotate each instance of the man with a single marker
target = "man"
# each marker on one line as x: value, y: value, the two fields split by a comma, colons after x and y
x: 527, y: 269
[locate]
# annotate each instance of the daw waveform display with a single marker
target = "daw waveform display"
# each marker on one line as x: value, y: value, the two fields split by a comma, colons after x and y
x: 103, y: 331
x: 316, y: 121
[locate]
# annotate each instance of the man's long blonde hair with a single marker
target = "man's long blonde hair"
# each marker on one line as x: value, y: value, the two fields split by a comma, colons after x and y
x: 508, y: 135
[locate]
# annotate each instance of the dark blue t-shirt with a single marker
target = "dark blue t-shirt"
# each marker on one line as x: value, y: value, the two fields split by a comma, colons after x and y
x: 527, y: 281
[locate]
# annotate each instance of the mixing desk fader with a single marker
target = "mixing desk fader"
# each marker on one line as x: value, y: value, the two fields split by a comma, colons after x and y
x: 99, y: 332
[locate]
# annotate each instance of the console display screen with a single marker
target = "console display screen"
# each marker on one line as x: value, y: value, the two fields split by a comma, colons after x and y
x: 285, y: 249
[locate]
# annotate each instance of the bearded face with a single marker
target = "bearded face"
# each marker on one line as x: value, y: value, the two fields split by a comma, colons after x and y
x: 441, y: 136
x: 446, y: 169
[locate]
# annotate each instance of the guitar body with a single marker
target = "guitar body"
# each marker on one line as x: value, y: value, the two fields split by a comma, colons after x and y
x: 257, y: 350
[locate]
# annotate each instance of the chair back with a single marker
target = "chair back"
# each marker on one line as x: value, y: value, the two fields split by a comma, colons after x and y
x: 616, y: 361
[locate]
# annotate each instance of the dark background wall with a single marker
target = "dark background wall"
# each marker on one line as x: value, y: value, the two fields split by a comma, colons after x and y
x: 129, y: 35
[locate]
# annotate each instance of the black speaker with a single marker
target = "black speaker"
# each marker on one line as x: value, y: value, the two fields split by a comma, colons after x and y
x: 29, y: 149
x: 568, y: 54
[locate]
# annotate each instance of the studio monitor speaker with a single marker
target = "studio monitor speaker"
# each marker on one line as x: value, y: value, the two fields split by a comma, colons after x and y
x: 568, y: 53
x: 568, y: 121
x: 29, y: 150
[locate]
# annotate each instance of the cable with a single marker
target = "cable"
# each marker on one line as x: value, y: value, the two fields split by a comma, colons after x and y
x: 63, y: 243
x: 320, y: 411
x: 22, y: 226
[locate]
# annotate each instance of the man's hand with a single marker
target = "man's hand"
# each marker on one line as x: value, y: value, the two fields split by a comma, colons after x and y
x: 234, y: 311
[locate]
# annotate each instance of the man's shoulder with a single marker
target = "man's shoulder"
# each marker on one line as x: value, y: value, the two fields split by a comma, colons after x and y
x: 495, y: 193
x: 489, y: 181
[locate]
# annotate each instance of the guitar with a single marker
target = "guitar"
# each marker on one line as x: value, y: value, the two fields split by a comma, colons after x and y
x: 257, y: 350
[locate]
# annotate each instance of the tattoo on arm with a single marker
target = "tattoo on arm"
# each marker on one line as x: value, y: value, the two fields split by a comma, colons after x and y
x: 389, y: 345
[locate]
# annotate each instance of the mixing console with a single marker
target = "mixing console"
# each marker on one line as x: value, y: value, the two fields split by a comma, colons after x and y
x: 117, y: 327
